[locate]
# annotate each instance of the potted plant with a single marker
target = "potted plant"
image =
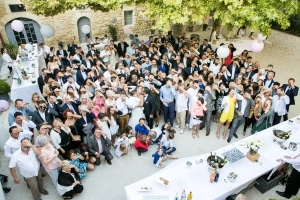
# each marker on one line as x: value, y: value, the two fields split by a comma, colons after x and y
x: 12, y: 50
x: 112, y: 29
x: 4, y: 90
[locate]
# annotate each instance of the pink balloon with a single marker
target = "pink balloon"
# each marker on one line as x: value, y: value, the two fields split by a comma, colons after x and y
x: 256, y: 45
x: 17, y: 25
x: 127, y: 30
x: 4, y: 105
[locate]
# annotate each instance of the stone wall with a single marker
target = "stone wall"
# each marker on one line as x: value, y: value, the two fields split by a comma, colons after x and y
x: 65, y: 24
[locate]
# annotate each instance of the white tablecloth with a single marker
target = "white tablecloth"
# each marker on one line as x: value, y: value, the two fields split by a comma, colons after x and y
x: 196, y: 178
x: 27, y: 88
x: 239, y: 44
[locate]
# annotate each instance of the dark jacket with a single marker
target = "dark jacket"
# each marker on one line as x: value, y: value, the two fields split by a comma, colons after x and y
x: 149, y: 106
x: 93, y: 145
x: 291, y: 93
x: 50, y: 114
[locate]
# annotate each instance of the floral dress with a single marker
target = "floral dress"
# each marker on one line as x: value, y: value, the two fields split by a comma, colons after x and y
x: 80, y: 165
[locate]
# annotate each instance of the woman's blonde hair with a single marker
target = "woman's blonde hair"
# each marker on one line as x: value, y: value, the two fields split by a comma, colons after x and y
x: 64, y: 163
x: 56, y: 121
x: 152, y: 134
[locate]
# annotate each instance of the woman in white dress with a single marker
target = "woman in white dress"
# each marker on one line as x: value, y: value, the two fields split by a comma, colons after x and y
x: 114, y: 127
x: 136, y: 102
x: 7, y: 59
x: 113, y: 58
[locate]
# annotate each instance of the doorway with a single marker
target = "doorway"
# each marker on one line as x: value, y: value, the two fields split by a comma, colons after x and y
x: 83, y: 21
x: 30, y: 34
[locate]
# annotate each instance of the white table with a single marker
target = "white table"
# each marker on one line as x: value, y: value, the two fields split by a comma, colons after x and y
x: 196, y: 178
x: 27, y: 88
x: 239, y: 44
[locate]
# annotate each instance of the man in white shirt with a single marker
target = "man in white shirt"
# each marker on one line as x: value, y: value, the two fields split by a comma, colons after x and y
x: 280, y: 100
x: 181, y: 107
x: 122, y: 108
x: 215, y: 66
x: 105, y: 55
x: 29, y: 166
x: 192, y: 91
x: 71, y: 82
x: 24, y: 125
x: 45, y: 50
x: 13, y: 142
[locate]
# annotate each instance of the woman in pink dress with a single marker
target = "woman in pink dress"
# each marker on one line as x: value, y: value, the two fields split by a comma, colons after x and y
x: 49, y: 157
x: 99, y: 104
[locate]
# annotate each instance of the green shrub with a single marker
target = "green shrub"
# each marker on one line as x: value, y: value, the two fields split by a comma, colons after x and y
x: 4, y: 87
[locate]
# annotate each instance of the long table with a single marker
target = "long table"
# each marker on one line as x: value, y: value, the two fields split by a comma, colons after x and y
x: 196, y: 178
x: 27, y: 88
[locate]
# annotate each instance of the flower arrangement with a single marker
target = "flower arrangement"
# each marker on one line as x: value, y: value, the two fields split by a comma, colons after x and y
x: 254, y: 145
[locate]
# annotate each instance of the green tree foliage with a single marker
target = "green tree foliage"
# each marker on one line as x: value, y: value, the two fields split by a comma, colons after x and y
x: 255, y: 14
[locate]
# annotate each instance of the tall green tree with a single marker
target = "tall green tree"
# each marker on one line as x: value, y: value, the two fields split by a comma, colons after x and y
x: 255, y: 14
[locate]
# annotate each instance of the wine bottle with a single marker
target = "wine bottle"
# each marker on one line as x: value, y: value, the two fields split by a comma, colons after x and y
x: 190, y: 196
x: 210, y: 157
x: 183, y: 195
x: 217, y: 177
x: 177, y: 197
x: 216, y: 158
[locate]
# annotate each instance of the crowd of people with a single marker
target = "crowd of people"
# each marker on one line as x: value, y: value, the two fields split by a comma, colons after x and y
x: 111, y: 100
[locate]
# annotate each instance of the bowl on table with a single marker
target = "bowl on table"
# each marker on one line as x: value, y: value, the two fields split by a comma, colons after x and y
x: 281, y: 136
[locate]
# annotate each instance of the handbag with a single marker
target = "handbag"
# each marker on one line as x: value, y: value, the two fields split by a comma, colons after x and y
x: 88, y: 129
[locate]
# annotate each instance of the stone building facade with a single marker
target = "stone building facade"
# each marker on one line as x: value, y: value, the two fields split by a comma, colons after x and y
x: 67, y: 25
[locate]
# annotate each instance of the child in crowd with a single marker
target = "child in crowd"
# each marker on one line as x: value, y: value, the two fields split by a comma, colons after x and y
x: 78, y: 160
x: 122, y: 146
x: 159, y: 157
x: 130, y: 135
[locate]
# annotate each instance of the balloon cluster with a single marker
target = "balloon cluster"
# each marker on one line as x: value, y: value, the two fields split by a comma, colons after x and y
x: 258, y: 44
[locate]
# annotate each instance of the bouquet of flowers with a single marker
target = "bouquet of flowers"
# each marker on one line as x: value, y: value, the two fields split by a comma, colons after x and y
x: 254, y: 144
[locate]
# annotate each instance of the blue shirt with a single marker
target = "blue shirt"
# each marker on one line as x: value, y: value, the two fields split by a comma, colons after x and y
x: 141, y: 129
x: 167, y: 94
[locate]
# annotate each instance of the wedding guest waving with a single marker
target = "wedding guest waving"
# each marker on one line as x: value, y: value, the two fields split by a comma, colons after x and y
x: 98, y: 145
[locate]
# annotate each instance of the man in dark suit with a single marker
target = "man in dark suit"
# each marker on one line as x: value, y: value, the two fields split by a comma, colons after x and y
x: 291, y: 91
x: 52, y: 104
x: 44, y: 114
x: 122, y: 47
x: 60, y: 78
x: 241, y: 112
x: 149, y: 107
x: 71, y: 104
x: 204, y: 46
x: 93, y: 51
x: 41, y: 79
x: 72, y: 47
x: 81, y: 75
x: 269, y: 81
x: 99, y: 145
x: 234, y: 69
x: 88, y: 62
x: 62, y: 54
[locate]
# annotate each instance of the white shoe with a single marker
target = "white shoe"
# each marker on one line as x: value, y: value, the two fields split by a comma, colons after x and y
x: 177, y: 126
x: 181, y: 131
